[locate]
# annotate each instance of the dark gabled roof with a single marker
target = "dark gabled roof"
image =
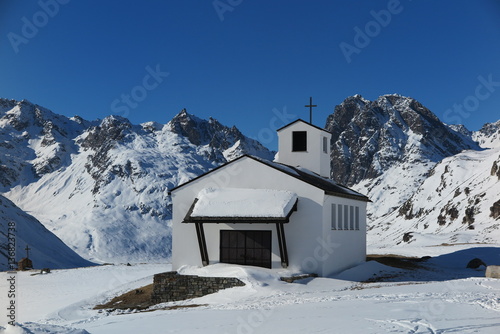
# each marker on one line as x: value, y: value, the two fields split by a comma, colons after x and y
x: 301, y: 120
x: 329, y: 186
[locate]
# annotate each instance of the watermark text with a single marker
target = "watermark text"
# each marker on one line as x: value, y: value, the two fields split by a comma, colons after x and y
x: 12, y: 275
x: 30, y: 27
x: 223, y: 6
x: 152, y: 79
x: 363, y: 37
x: 471, y: 103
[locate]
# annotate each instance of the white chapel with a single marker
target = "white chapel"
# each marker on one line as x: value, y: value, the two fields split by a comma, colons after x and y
x: 286, y: 213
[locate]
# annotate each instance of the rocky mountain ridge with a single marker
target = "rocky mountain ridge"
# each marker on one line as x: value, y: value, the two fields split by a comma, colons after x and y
x: 424, y: 177
x: 102, y: 186
x: 369, y: 137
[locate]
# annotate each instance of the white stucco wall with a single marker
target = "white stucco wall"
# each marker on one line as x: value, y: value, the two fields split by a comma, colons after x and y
x: 306, y: 234
x: 304, y: 226
x: 343, y: 248
x: 315, y: 159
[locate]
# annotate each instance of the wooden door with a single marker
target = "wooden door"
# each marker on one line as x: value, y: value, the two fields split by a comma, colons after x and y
x: 251, y: 248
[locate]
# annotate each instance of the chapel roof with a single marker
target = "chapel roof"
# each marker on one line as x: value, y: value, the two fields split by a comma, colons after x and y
x: 329, y: 186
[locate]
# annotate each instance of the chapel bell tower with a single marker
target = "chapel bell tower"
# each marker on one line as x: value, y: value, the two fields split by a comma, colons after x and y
x: 302, y: 144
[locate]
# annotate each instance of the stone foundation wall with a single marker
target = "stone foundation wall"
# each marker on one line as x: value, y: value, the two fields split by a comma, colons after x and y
x: 170, y: 286
x: 493, y: 272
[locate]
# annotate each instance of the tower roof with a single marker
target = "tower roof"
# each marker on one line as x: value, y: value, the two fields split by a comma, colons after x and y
x: 301, y: 120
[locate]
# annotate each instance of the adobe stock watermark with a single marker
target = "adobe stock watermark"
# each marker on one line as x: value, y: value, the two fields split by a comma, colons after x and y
x: 11, y: 274
x: 30, y: 27
x: 281, y: 118
x: 252, y: 321
x: 324, y: 250
x: 373, y: 28
x: 223, y: 6
x: 460, y: 111
x: 151, y: 81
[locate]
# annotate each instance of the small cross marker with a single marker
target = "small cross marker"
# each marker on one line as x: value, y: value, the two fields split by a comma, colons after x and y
x: 27, y: 251
x: 310, y: 106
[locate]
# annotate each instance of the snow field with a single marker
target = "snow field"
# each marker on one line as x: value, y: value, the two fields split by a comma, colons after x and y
x: 444, y: 298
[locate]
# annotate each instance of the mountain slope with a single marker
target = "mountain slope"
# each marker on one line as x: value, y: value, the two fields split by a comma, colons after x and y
x: 430, y: 182
x: 386, y: 148
x: 102, y: 186
x: 458, y: 203
x: 33, y: 142
x: 47, y: 250
x: 217, y: 138
x: 104, y: 190
x: 489, y: 135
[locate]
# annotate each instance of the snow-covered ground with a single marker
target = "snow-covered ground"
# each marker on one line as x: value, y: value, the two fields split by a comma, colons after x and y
x: 445, y: 297
x: 453, y: 204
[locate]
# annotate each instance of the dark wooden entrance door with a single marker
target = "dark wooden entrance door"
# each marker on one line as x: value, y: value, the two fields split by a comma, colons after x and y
x: 251, y: 248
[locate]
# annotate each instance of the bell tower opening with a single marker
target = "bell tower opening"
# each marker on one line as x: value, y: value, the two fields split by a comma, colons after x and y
x: 299, y: 141
x: 302, y: 144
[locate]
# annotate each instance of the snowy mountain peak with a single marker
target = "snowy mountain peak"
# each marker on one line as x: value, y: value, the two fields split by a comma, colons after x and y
x: 489, y: 135
x: 191, y: 127
x: 461, y: 129
x: 102, y: 186
x: 423, y: 176
x: 111, y: 129
x: 216, y: 137
x: 386, y: 148
x: 6, y: 104
x: 23, y: 114
x: 35, y: 141
x: 370, y: 136
x: 115, y: 120
x: 356, y: 97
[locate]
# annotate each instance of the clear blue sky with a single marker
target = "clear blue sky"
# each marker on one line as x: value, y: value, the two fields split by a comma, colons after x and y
x: 239, y: 60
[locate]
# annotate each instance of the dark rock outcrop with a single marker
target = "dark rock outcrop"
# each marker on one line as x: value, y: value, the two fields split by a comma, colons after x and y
x: 368, y: 137
x: 469, y: 217
x: 408, y: 237
x: 495, y: 169
x: 213, y: 134
x: 101, y: 139
x: 495, y: 210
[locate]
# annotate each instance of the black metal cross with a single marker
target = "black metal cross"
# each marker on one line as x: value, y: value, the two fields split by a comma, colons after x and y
x: 27, y: 251
x: 310, y: 106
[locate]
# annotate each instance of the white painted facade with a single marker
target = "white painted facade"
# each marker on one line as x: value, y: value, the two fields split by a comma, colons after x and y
x: 351, y: 244
x: 312, y: 245
x: 316, y: 157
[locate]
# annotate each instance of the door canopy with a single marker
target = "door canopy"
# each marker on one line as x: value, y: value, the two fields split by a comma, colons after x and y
x: 242, y: 205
